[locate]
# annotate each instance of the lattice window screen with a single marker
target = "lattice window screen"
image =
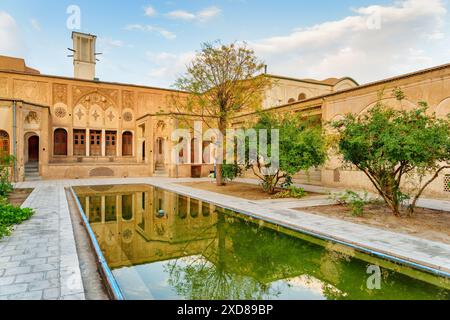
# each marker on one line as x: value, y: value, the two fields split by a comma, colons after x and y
x: 447, y: 183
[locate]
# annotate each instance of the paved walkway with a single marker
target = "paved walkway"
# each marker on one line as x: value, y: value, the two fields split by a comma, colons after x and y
x: 39, y: 261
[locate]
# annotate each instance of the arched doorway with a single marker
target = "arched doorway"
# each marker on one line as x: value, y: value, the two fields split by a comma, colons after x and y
x: 127, y: 144
x: 33, y: 149
x: 143, y: 150
x: 60, y: 142
x: 160, y: 151
x: 4, y: 144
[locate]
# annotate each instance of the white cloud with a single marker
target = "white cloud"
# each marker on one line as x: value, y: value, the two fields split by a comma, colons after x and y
x: 201, y: 16
x: 181, y: 14
x: 106, y: 44
x: 376, y: 42
x: 10, y: 40
x: 149, y: 11
x: 148, y: 28
x: 168, y: 66
x: 35, y: 24
x: 208, y: 13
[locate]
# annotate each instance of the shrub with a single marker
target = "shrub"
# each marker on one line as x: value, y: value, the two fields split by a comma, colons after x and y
x: 291, y: 192
x: 230, y: 172
x: 5, y: 184
x: 389, y: 145
x: 353, y: 200
x: 301, y: 146
x: 11, y: 215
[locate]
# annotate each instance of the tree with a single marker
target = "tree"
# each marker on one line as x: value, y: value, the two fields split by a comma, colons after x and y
x: 222, y: 80
x: 302, y: 146
x: 390, y: 145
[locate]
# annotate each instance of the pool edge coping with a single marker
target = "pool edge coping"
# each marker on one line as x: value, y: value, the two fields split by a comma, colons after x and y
x: 106, y: 271
x: 415, y: 264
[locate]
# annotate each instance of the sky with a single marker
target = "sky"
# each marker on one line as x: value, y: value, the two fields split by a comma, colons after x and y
x: 150, y: 42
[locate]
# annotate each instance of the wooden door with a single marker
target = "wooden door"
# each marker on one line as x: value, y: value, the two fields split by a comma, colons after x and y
x: 4, y: 144
x: 79, y: 142
x: 111, y: 143
x: 160, y: 151
x: 127, y: 144
x: 95, y: 143
x: 60, y: 142
x: 33, y: 149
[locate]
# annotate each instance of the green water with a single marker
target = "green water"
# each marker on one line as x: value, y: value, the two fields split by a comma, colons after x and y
x: 198, y: 251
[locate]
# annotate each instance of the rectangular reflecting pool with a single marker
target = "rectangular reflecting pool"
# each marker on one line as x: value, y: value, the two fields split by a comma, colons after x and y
x: 160, y: 245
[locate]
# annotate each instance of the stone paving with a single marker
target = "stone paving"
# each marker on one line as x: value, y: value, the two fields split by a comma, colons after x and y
x: 39, y: 260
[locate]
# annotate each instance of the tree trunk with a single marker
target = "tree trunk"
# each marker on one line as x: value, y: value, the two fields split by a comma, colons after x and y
x: 219, y: 176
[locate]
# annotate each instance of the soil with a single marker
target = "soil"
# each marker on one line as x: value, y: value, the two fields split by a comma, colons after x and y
x: 237, y: 189
x: 18, y: 196
x: 425, y: 223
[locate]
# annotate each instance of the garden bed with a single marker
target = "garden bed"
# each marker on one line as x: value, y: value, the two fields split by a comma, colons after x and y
x: 237, y: 189
x: 425, y: 223
x: 18, y: 196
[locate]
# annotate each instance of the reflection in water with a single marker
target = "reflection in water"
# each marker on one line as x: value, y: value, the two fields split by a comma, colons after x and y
x: 196, y: 251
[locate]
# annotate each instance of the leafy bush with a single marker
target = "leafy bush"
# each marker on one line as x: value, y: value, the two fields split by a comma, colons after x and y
x: 291, y: 192
x: 301, y: 146
x: 11, y: 215
x: 230, y: 172
x: 353, y: 200
x: 389, y: 145
x: 5, y: 184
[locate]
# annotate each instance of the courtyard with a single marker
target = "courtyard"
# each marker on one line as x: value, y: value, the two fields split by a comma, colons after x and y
x: 40, y: 259
x: 303, y: 159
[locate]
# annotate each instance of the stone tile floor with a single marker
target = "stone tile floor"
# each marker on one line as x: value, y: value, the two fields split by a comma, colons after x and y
x: 40, y: 261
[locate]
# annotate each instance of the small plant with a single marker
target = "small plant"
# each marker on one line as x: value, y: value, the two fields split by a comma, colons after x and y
x: 291, y: 192
x: 231, y: 172
x: 5, y: 184
x: 11, y: 215
x: 352, y: 199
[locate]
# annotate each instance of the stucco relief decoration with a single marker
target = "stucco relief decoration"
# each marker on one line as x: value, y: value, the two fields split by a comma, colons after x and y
x: 128, y: 116
x: 59, y: 93
x: 128, y: 99
x: 60, y: 112
x: 31, y: 91
x: 161, y: 125
x: 90, y: 96
x: 79, y: 114
x: 111, y: 117
x: 3, y: 87
x: 32, y: 117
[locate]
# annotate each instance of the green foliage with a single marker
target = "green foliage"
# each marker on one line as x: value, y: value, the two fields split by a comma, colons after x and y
x: 11, y: 215
x: 387, y: 145
x: 352, y: 199
x: 291, y: 192
x: 231, y: 172
x: 302, y: 146
x: 5, y: 184
x: 223, y: 80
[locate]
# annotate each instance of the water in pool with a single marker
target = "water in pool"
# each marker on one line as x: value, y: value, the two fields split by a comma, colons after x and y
x: 160, y: 245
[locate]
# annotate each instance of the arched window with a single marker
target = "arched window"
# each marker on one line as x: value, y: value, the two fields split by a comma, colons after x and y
x: 127, y: 207
x: 127, y: 144
x: 60, y: 142
x: 4, y: 144
x: 291, y: 100
x: 301, y: 96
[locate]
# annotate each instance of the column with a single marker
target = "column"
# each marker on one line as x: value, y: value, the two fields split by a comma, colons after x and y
x: 87, y: 143
x: 104, y: 142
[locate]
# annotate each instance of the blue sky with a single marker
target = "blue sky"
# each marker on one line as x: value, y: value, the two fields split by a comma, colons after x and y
x: 149, y: 42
